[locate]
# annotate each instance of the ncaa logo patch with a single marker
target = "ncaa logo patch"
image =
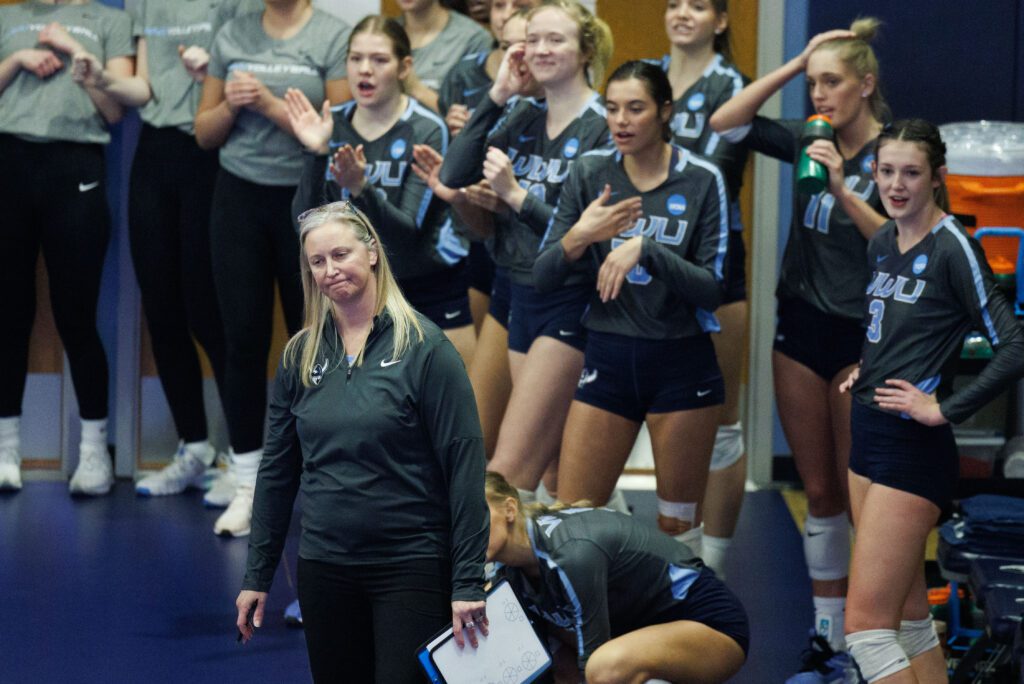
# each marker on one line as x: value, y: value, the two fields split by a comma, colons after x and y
x: 317, y: 374
x: 920, y: 263
x: 695, y: 102
x: 398, y: 149
x: 676, y: 205
x: 572, y: 147
x: 865, y: 166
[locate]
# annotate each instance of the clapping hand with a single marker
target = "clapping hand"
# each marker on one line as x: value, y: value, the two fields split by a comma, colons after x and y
x: 427, y: 167
x: 313, y: 129
x: 498, y: 172
x: 458, y: 115
x: 349, y: 169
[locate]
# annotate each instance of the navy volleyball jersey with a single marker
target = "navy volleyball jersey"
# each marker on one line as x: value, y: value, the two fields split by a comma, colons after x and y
x: 540, y: 165
x: 685, y: 230
x: 921, y: 304
x: 466, y: 84
x: 692, y: 110
x: 414, y: 226
x: 601, y: 573
x: 824, y: 260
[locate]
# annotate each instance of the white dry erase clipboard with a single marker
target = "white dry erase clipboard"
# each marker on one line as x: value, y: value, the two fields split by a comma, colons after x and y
x: 511, y: 654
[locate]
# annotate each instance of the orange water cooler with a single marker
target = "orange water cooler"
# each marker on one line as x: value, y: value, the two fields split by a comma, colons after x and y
x: 986, y: 183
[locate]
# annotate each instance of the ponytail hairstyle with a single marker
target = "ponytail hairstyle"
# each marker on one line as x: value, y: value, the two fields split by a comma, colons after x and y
x: 497, y: 490
x: 378, y: 24
x: 926, y: 135
x: 856, y: 53
x: 595, y: 37
x: 304, y: 347
x: 722, y: 44
x: 655, y: 83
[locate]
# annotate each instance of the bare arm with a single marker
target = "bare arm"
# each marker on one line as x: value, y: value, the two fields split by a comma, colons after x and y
x: 130, y: 91
x: 338, y: 91
x: 42, y: 63
x: 215, y: 116
x: 426, y: 96
x: 742, y: 108
x: 117, y: 70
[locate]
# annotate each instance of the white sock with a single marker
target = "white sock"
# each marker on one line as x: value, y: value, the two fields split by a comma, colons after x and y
x: 246, y: 465
x: 693, y: 538
x: 828, y: 620
x: 526, y: 497
x: 202, y: 450
x: 713, y: 554
x: 10, y: 432
x: 94, y: 433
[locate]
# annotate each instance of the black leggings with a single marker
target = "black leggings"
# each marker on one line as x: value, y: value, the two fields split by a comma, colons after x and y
x: 169, y: 224
x: 363, y: 623
x: 53, y: 196
x: 253, y: 244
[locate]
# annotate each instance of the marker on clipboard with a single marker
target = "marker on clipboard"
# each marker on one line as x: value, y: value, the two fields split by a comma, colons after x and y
x: 511, y: 653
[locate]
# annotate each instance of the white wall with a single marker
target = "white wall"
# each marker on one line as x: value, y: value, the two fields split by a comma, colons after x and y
x: 349, y: 10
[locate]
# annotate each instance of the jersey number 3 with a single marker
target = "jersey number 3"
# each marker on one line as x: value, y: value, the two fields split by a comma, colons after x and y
x: 877, y: 310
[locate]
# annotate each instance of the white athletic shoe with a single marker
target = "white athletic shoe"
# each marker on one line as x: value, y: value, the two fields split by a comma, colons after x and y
x: 235, y: 521
x: 10, y: 468
x: 94, y: 475
x: 220, y: 484
x: 185, y: 470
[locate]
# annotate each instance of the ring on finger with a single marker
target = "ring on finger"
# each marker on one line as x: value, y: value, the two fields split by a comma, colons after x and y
x: 470, y: 625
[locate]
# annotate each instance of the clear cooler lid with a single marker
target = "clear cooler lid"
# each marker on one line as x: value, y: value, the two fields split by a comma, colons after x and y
x: 984, y: 148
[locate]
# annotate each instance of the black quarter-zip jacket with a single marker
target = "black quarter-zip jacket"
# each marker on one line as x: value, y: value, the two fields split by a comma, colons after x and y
x: 388, y: 456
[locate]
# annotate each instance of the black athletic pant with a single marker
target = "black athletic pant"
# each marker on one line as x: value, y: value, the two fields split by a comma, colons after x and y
x: 169, y: 224
x: 53, y: 198
x: 253, y: 243
x: 363, y: 623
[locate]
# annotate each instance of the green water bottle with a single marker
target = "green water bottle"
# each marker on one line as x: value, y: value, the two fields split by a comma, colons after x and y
x: 812, y: 177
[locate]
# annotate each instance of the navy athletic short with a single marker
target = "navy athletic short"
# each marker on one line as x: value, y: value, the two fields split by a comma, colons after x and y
x: 825, y: 344
x: 501, y: 292
x: 557, y: 314
x: 707, y: 601
x: 904, y: 454
x: 442, y: 297
x: 481, y: 268
x: 736, y: 268
x: 632, y: 377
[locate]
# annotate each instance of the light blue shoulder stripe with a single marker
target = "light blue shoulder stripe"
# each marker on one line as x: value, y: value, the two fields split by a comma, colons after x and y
x: 417, y: 107
x: 344, y: 106
x: 569, y: 590
x: 723, y: 215
x: 594, y: 103
x: 979, y: 282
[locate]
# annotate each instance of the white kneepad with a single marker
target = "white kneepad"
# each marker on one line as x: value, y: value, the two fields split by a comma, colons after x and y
x: 877, y: 652
x: 728, y: 446
x: 827, y: 547
x: 918, y: 636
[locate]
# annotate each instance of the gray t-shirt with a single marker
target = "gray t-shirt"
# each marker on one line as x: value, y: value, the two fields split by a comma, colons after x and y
x: 460, y: 37
x: 57, y: 108
x: 256, y: 149
x: 166, y: 24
